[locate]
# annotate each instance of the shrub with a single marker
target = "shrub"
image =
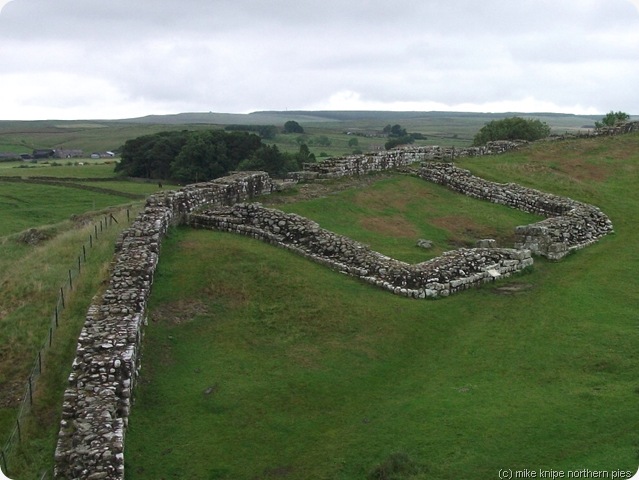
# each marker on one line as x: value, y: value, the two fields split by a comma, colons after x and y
x: 513, y: 128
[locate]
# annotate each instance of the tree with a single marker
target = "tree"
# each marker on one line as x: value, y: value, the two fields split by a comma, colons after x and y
x: 150, y: 156
x: 612, y: 118
x: 202, y: 158
x: 304, y: 156
x: 187, y: 156
x: 513, y: 128
x: 395, y: 130
x: 397, y: 141
x: 269, y: 159
x: 293, y: 127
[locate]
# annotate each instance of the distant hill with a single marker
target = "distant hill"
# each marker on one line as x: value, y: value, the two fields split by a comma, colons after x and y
x: 555, y: 120
x: 446, y: 128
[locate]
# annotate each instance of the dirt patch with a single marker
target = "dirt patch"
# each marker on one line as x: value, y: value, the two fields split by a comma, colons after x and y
x: 463, y: 229
x: 512, y: 288
x: 177, y: 313
x: 11, y: 394
x: 582, y: 170
x: 395, y: 226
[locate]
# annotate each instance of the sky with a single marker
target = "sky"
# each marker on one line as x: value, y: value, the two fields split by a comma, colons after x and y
x: 97, y: 59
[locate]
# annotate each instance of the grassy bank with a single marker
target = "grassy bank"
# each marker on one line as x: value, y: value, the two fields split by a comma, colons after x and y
x: 264, y: 365
x: 31, y: 279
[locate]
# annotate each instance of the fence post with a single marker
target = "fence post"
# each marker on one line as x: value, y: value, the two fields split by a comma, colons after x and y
x: 95, y: 227
x: 128, y: 215
x: 40, y: 360
x: 84, y: 253
x: 19, y: 431
x: 50, y: 336
x: 91, y: 241
x: 30, y: 390
x: 79, y: 266
x: 56, y: 316
x: 70, y: 281
x: 62, y: 296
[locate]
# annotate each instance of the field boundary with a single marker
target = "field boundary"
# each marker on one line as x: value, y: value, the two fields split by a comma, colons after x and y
x: 40, y: 362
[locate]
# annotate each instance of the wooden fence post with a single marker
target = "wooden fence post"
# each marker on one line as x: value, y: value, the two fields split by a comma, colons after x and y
x: 30, y: 391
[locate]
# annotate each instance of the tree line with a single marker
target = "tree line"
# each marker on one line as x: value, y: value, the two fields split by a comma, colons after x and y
x: 196, y: 156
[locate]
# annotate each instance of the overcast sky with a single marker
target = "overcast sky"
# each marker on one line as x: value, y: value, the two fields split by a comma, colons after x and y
x: 99, y: 59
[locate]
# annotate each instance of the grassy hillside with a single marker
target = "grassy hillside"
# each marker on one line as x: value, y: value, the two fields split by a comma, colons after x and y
x: 264, y: 365
x: 275, y: 367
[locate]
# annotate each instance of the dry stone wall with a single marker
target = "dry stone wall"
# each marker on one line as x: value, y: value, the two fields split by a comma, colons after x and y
x: 97, y: 400
x: 454, y: 271
x: 385, y: 160
x: 570, y: 224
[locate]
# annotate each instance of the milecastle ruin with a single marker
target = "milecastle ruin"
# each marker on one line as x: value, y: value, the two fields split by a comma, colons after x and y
x: 97, y: 401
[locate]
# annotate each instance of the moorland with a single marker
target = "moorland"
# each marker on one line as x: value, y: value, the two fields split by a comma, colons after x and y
x: 261, y: 365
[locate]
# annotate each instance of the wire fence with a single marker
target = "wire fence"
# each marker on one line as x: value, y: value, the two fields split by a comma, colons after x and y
x: 71, y: 282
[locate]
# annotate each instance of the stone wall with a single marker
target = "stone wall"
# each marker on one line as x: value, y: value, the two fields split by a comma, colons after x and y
x: 454, y: 271
x: 97, y: 400
x: 570, y: 224
x: 385, y: 160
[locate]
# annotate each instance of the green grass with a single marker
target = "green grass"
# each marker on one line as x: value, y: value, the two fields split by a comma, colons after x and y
x: 315, y: 374
x: 392, y: 214
x: 265, y: 365
x: 27, y: 205
x: 90, y: 169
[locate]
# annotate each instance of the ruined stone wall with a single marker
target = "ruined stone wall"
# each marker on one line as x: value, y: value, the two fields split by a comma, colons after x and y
x: 97, y: 400
x: 570, y: 224
x: 454, y: 271
x: 379, y: 161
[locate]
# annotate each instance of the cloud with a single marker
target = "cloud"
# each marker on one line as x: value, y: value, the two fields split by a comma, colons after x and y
x: 169, y: 56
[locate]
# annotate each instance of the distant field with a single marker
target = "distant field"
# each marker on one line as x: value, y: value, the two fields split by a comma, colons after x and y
x: 440, y: 128
x: 89, y: 169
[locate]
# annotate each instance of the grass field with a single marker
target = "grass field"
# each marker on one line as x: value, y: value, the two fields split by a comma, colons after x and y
x: 263, y: 365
